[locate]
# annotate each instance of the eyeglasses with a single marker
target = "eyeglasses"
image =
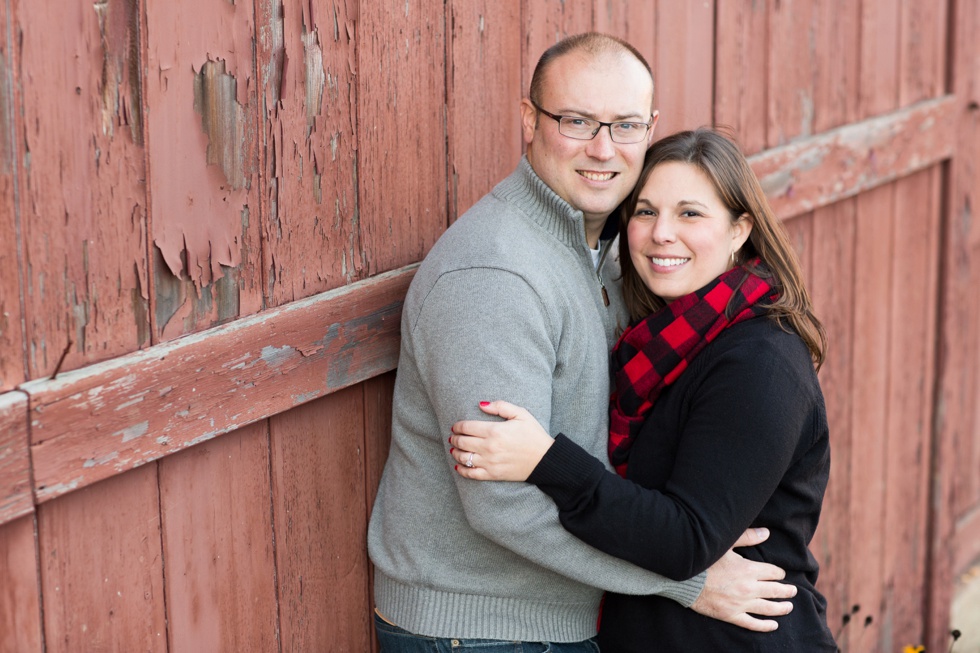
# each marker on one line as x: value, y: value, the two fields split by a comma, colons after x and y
x: 585, y: 129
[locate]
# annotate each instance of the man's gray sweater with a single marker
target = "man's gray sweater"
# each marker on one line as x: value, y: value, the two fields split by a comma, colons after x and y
x: 507, y: 305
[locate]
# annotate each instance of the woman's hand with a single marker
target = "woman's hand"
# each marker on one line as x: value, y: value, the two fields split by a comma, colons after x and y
x: 499, y: 451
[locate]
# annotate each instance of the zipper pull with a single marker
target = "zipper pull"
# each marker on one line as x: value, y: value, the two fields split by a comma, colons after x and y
x: 605, y: 295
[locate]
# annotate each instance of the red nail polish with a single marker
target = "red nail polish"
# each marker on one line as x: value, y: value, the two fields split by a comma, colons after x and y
x: 456, y: 467
x: 451, y: 450
x: 484, y: 403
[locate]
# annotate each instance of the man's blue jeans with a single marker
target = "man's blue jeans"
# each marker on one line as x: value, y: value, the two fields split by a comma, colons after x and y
x: 398, y: 640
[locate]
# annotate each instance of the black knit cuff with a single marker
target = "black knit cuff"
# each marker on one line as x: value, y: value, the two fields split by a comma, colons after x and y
x: 565, y: 471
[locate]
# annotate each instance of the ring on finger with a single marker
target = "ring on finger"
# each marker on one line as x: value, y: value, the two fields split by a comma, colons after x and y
x: 469, y: 461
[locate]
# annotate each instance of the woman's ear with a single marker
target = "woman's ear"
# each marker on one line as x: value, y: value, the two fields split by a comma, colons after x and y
x: 741, y: 230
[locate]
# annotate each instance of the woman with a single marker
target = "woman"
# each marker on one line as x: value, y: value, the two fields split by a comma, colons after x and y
x: 717, y: 421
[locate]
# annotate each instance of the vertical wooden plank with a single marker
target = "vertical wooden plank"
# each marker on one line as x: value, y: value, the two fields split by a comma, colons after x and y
x: 83, y: 206
x: 880, y: 36
x: 636, y: 22
x: 741, y: 60
x: 307, y: 75
x: 923, y: 51
x: 792, y: 56
x: 377, y: 429
x: 955, y: 498
x: 16, y: 499
x: 102, y: 568
x: 318, y: 481
x: 909, y: 408
x: 837, y: 63
x: 684, y: 65
x: 831, y: 286
x: 217, y: 542
x: 201, y: 137
x: 545, y: 23
x: 484, y: 80
x: 401, y: 144
x: 922, y: 57
x: 377, y: 440
x: 12, y: 349
x: 877, y: 93
x: 20, y: 603
x: 869, y: 365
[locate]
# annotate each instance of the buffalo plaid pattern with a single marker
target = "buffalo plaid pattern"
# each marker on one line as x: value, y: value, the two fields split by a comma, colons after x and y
x: 652, y: 353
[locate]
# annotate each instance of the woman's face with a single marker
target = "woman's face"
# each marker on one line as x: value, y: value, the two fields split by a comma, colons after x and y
x: 681, y: 235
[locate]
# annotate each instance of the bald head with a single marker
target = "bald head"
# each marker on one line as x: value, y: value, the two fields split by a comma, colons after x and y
x: 593, y: 45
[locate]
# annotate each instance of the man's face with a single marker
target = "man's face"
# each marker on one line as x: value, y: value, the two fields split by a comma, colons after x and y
x: 592, y: 176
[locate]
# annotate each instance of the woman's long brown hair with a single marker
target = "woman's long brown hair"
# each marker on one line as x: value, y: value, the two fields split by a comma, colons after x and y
x: 738, y: 188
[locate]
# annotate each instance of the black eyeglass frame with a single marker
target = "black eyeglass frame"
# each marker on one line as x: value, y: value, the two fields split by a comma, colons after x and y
x: 595, y: 132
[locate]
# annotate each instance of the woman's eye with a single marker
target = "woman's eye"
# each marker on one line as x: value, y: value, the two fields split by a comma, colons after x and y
x: 691, y: 214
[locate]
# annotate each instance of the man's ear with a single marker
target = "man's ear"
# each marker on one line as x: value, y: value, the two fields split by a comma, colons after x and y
x: 529, y: 120
x: 653, y: 126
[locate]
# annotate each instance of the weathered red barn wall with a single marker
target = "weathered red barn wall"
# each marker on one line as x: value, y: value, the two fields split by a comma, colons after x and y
x: 209, y: 214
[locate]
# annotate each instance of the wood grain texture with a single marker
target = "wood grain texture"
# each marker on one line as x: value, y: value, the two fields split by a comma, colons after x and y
x: 102, y: 568
x: 318, y: 480
x: 837, y: 66
x: 870, y: 347
x: 846, y: 161
x: 636, y: 22
x: 742, y: 53
x: 12, y: 346
x: 377, y: 441
x: 218, y: 545
x: 484, y: 108
x: 16, y: 499
x: 308, y: 80
x: 543, y: 24
x: 100, y: 422
x: 683, y: 67
x: 956, y: 488
x: 831, y: 284
x: 20, y: 601
x: 793, y: 53
x: 83, y: 202
x: 202, y: 163
x: 401, y: 141
x: 908, y: 453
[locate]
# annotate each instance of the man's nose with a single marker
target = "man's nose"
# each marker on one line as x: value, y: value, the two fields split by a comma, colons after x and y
x: 601, y: 147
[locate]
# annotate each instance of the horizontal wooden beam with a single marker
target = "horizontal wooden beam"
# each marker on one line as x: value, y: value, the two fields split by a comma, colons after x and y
x: 810, y: 173
x: 15, y: 468
x: 102, y: 420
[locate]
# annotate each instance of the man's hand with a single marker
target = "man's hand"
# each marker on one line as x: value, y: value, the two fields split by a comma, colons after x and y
x: 736, y: 589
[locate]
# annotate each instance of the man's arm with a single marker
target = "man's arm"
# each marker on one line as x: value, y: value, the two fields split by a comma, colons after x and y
x: 484, y: 334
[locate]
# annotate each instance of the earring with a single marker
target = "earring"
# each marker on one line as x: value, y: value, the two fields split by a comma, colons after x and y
x: 733, y: 258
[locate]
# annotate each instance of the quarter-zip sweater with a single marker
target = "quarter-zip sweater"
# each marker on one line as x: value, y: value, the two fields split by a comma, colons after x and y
x: 507, y: 305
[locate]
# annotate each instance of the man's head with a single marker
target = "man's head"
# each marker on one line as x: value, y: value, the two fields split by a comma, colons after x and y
x: 601, y: 78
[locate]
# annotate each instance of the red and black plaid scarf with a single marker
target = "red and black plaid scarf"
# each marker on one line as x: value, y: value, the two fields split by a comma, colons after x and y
x: 652, y: 353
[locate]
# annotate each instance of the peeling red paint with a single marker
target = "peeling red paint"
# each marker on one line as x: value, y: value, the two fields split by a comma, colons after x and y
x: 83, y: 201
x: 306, y: 62
x: 202, y: 127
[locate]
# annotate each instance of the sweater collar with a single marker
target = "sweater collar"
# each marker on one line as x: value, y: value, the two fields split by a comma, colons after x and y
x: 525, y: 189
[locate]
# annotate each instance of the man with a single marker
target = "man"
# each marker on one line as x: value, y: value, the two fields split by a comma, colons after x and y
x: 518, y: 301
